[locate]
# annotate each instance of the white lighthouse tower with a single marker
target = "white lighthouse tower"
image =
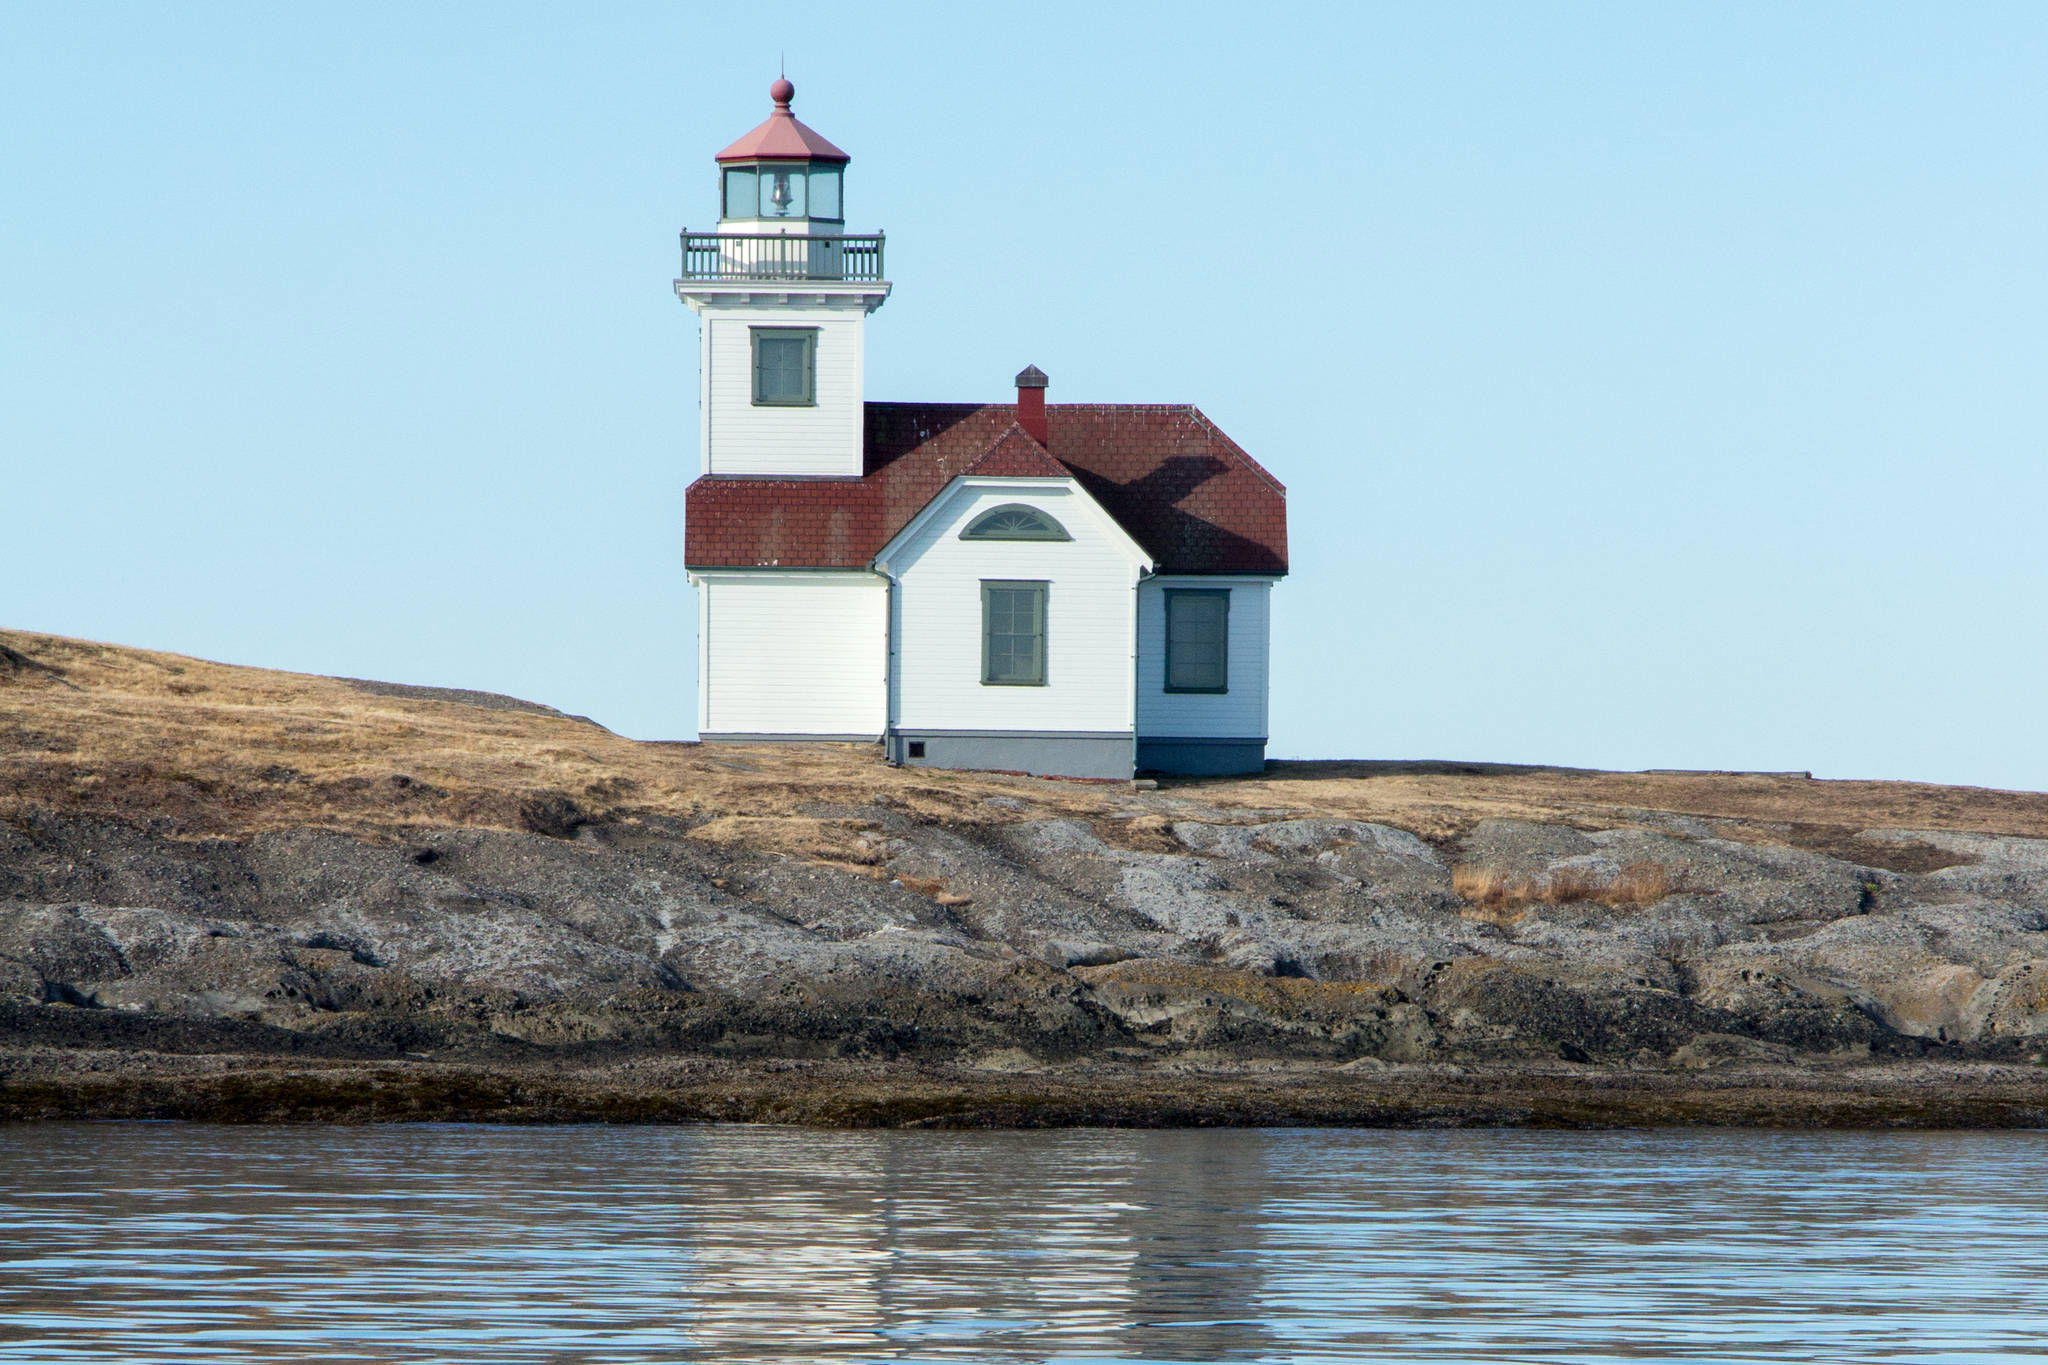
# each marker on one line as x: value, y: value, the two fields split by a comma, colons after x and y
x: 784, y: 295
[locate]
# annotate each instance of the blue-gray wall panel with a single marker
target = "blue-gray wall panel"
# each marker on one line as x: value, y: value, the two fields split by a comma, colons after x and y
x: 1202, y: 757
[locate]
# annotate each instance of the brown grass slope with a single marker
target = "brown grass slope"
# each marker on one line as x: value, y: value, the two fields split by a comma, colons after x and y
x: 192, y: 748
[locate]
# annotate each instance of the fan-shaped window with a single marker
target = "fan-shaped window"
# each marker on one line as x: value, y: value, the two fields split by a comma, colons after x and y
x: 1014, y: 521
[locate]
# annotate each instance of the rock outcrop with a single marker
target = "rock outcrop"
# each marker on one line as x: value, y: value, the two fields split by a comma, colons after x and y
x: 1280, y: 938
x: 836, y: 909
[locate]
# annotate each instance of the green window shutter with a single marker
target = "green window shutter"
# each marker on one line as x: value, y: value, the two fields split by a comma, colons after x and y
x: 1197, y: 639
x: 1013, y: 633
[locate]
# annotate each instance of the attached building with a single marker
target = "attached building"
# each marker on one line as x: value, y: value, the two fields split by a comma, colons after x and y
x: 1064, y: 589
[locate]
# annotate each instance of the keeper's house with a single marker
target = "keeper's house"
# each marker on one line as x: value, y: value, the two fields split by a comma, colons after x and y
x: 1066, y: 589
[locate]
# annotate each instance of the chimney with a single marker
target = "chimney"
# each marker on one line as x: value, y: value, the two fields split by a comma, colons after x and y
x: 1031, y: 404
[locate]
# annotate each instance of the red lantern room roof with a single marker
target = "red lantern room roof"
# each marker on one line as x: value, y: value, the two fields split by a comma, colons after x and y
x: 782, y: 137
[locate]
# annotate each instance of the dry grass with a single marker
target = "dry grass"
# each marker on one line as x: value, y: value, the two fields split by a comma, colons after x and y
x: 841, y: 843
x: 214, y: 749
x: 1441, y: 800
x: 1500, y: 897
x: 203, y: 748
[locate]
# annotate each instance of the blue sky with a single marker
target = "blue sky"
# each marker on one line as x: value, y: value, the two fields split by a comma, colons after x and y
x: 1656, y: 385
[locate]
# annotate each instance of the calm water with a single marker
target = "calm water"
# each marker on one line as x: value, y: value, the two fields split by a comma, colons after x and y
x: 172, y: 1243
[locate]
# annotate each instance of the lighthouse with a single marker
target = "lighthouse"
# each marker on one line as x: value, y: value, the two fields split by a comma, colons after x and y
x: 1067, y: 589
x: 784, y: 293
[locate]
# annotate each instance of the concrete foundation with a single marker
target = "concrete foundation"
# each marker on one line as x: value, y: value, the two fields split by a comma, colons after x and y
x: 1042, y: 753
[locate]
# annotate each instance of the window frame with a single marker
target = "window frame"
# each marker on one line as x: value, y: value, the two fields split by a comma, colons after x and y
x: 799, y: 173
x: 811, y: 173
x: 1043, y: 587
x: 1053, y: 530
x: 837, y: 175
x: 725, y: 195
x: 809, y: 336
x: 1166, y: 631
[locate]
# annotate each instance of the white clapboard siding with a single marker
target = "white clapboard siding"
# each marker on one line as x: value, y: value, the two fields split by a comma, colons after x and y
x: 1239, y: 713
x: 740, y: 438
x: 793, y: 653
x: 1090, y: 616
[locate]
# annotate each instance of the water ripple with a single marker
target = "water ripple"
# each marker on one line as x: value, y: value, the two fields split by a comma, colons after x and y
x: 448, y: 1243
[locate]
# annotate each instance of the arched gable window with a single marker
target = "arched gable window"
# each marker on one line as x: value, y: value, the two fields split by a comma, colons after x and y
x: 1014, y: 521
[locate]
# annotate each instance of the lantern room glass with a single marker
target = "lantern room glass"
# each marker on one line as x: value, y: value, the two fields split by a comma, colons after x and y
x: 782, y: 192
x: 825, y: 193
x: 739, y: 193
x: 787, y: 191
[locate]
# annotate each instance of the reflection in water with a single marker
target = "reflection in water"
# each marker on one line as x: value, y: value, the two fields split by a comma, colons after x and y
x: 1008, y: 1246
x: 156, y: 1242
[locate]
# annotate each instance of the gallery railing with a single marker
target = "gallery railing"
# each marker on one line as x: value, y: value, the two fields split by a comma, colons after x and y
x: 783, y: 256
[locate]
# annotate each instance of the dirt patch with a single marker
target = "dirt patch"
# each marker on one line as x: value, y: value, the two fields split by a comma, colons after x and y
x: 1143, y: 834
x: 19, y: 669
x: 1911, y: 856
x: 838, y: 842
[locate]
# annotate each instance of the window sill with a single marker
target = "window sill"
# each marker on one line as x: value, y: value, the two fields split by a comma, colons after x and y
x: 1199, y: 691
x: 991, y: 682
x: 785, y: 402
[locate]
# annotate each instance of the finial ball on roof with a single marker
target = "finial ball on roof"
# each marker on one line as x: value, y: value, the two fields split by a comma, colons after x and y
x: 782, y: 92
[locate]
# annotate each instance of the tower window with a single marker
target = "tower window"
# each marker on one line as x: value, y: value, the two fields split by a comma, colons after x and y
x: 1012, y: 633
x: 1198, y: 639
x: 1014, y: 521
x: 785, y: 366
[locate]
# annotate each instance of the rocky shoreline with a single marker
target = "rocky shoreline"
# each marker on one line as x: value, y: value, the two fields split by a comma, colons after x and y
x: 243, y: 896
x: 52, y: 1084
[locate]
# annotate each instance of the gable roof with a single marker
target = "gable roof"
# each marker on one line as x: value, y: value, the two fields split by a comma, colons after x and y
x: 1186, y: 493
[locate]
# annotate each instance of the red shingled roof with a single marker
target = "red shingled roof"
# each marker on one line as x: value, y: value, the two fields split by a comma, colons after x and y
x: 1014, y: 455
x: 1185, y: 491
x: 783, y: 135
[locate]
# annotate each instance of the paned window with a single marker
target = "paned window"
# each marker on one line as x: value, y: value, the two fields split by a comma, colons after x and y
x: 786, y: 366
x: 1013, y: 633
x: 1014, y: 521
x: 1197, y: 639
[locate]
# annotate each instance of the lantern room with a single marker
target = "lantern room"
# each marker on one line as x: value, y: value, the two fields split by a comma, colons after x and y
x: 782, y: 175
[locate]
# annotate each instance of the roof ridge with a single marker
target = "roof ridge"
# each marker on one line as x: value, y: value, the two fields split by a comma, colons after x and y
x: 1235, y: 449
x: 1131, y: 407
x: 1034, y: 452
x: 978, y: 406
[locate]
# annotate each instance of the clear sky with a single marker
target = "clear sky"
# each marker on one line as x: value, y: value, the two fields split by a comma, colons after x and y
x: 1656, y: 385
